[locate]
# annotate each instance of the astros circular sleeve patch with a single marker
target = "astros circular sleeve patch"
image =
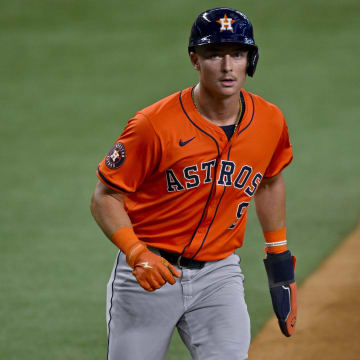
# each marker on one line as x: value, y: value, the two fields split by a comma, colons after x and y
x: 116, y: 156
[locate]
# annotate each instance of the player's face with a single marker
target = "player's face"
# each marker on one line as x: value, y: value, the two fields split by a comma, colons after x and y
x: 222, y: 68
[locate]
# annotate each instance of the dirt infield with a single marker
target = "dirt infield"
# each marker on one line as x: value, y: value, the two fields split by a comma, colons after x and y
x: 329, y: 313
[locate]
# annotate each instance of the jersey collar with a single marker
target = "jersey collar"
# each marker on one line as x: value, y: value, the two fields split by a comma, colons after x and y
x: 245, y: 121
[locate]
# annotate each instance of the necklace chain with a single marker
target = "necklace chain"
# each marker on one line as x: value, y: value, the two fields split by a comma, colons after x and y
x: 238, y: 116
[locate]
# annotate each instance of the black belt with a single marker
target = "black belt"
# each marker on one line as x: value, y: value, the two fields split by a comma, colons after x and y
x: 176, y: 259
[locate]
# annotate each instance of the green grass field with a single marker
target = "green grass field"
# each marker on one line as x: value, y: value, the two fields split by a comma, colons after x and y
x: 73, y: 72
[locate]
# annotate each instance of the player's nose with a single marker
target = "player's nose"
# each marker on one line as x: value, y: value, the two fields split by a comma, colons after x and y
x: 227, y: 63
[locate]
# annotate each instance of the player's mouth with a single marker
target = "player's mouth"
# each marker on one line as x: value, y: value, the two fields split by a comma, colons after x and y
x: 228, y: 82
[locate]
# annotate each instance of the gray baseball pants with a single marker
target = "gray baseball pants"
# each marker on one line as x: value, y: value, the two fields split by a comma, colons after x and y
x: 206, y: 305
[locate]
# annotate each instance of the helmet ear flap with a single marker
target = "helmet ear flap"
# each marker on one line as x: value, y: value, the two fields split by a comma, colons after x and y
x: 253, y: 58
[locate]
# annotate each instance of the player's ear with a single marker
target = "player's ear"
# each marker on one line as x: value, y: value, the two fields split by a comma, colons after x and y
x: 194, y: 60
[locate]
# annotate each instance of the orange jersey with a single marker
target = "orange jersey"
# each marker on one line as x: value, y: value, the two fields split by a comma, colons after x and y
x: 188, y: 187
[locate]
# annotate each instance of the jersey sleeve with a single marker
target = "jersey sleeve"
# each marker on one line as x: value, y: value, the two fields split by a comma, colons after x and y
x: 283, y: 154
x: 134, y: 156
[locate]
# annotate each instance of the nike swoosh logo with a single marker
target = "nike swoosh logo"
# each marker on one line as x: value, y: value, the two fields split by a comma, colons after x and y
x: 183, y: 143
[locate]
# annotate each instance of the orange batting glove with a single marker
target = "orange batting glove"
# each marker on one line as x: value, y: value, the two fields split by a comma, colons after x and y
x: 153, y: 271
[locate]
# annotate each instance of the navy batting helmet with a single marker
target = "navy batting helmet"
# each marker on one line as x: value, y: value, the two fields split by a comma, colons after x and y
x: 225, y: 25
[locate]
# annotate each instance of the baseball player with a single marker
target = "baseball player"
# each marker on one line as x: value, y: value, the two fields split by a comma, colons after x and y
x: 173, y: 196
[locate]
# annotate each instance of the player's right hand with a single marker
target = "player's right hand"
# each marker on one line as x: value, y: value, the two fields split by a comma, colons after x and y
x: 153, y: 271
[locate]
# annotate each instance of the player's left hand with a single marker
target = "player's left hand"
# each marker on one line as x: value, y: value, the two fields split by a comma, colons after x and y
x: 153, y: 271
x: 280, y: 271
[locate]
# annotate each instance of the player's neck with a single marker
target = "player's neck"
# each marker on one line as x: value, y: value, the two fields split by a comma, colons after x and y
x: 220, y: 111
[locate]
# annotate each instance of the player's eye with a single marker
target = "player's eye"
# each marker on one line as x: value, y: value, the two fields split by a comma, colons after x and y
x: 239, y: 54
x: 214, y: 56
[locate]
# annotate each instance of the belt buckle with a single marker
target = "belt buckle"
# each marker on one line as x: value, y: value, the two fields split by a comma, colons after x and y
x: 178, y: 262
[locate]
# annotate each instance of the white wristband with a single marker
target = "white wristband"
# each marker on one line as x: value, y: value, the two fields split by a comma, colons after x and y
x: 277, y: 243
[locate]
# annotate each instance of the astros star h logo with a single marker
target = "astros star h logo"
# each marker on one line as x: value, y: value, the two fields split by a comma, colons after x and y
x: 116, y: 156
x: 226, y: 23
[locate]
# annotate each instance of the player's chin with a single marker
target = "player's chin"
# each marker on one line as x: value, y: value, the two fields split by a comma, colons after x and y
x: 229, y: 90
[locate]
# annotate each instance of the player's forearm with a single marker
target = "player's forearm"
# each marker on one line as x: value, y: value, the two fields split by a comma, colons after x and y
x: 270, y: 204
x: 107, y: 207
x: 108, y: 210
